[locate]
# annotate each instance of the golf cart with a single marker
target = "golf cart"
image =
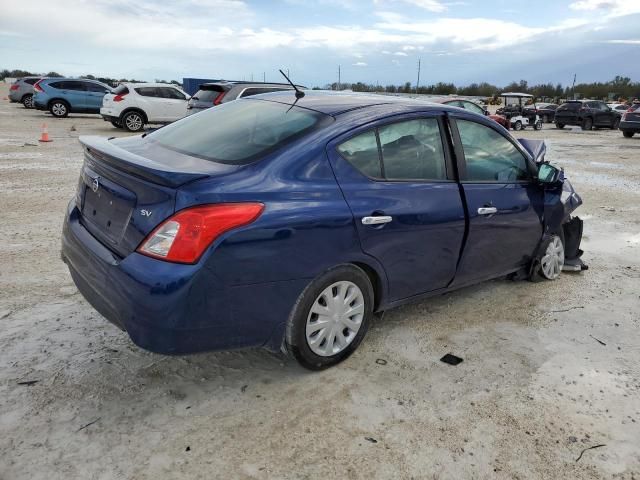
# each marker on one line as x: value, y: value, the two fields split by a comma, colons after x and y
x: 518, y: 114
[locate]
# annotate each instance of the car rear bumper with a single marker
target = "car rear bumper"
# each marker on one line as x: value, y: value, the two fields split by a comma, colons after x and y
x: 630, y: 126
x: 172, y: 308
x: 14, y: 96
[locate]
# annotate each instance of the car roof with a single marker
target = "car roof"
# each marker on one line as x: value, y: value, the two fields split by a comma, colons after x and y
x: 516, y: 94
x: 336, y: 103
x: 149, y: 84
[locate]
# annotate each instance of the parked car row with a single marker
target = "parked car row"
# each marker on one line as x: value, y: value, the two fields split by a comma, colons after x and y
x: 131, y: 106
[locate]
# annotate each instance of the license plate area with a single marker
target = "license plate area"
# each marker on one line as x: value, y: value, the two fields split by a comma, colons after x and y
x: 106, y: 208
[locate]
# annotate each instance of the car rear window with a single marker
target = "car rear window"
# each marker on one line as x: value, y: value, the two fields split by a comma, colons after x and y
x: 31, y: 81
x: 570, y: 106
x: 239, y: 132
x: 121, y: 90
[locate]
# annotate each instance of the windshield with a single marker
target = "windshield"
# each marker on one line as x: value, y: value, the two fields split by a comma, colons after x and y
x: 238, y: 132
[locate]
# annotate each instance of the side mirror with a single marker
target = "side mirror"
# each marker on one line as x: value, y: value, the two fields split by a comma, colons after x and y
x: 550, y: 175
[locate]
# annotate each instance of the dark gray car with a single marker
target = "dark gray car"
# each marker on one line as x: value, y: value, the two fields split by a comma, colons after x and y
x: 212, y: 94
x: 21, y: 91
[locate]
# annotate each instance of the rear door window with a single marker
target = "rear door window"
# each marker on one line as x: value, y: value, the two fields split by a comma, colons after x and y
x: 94, y: 87
x: 412, y: 150
x: 69, y: 85
x: 489, y: 156
x: 362, y: 152
x: 172, y: 93
x: 239, y: 132
x: 148, y: 91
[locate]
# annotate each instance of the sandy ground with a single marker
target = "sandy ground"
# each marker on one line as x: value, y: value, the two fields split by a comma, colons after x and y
x: 536, y: 387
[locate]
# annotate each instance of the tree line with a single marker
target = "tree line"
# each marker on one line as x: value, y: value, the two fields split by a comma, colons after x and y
x: 619, y: 87
x: 108, y: 80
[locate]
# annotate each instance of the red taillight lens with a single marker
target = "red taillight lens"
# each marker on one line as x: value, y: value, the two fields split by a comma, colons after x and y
x: 218, y: 99
x: 14, y: 87
x: 37, y: 86
x: 185, y: 236
x: 119, y: 98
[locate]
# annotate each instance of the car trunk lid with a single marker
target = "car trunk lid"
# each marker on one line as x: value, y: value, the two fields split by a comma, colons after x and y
x: 128, y: 186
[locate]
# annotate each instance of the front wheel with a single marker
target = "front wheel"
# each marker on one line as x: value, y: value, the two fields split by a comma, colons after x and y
x: 133, y: 121
x: 27, y: 101
x: 559, y: 126
x: 587, y: 124
x: 59, y: 109
x: 537, y: 125
x: 549, y: 265
x: 517, y: 126
x: 627, y: 134
x: 330, y: 318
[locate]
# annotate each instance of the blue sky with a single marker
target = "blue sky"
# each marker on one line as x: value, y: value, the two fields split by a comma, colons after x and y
x: 372, y: 40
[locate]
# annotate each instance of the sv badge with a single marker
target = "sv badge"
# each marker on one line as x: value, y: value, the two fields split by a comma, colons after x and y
x: 146, y: 213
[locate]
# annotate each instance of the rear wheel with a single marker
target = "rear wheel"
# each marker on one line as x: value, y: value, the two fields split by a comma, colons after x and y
x: 616, y: 124
x: 517, y: 126
x: 59, y: 109
x: 587, y: 124
x: 330, y: 318
x: 559, y: 125
x: 133, y: 121
x: 27, y: 101
x: 116, y: 124
x: 537, y: 125
x: 627, y: 134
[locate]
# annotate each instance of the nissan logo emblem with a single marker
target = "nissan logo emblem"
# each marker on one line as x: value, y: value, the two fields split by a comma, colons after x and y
x: 95, y: 185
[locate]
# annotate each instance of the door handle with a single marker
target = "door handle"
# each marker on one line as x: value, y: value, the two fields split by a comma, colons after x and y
x: 376, y: 220
x: 487, y: 210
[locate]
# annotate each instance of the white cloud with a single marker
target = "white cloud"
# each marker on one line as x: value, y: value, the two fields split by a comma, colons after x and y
x: 614, y: 8
x: 359, y: 64
x: 624, y: 42
x: 400, y: 54
x: 430, y: 5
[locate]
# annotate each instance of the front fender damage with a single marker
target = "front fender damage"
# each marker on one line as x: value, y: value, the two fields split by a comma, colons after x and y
x: 560, y: 203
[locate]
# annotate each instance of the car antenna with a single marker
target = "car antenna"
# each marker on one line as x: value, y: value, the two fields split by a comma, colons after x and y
x: 299, y: 93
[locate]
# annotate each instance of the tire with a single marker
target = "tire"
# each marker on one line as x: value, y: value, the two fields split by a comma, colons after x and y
x: 315, y: 347
x: 550, y: 259
x: 537, y: 125
x: 27, y: 101
x: 616, y: 124
x: 116, y: 124
x: 627, y: 133
x: 560, y: 126
x: 587, y: 124
x: 59, y: 108
x: 517, y: 126
x: 133, y: 121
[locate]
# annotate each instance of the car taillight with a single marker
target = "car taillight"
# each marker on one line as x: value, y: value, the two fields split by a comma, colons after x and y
x: 119, y: 98
x: 218, y: 99
x: 185, y: 236
x: 37, y: 86
x: 14, y: 87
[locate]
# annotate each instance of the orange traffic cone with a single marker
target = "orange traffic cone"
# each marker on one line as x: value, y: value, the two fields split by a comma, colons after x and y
x: 45, y: 134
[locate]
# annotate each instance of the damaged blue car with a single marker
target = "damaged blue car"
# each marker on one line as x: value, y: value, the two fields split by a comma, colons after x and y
x: 286, y: 221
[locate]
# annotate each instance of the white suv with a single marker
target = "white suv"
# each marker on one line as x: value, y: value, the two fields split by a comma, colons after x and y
x: 133, y: 105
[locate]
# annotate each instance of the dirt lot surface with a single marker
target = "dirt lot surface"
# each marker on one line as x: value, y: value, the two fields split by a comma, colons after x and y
x: 550, y: 369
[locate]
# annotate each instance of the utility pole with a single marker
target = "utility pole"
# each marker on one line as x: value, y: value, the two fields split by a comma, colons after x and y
x: 252, y: 77
x: 418, y: 82
x: 573, y: 87
x: 338, y: 77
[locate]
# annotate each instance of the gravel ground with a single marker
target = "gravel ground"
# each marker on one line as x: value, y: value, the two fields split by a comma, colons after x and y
x: 550, y: 369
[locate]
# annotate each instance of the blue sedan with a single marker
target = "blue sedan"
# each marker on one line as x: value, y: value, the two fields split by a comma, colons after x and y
x: 288, y: 222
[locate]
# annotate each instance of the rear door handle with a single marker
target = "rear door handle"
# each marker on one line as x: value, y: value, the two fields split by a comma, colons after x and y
x: 376, y: 220
x: 487, y: 210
